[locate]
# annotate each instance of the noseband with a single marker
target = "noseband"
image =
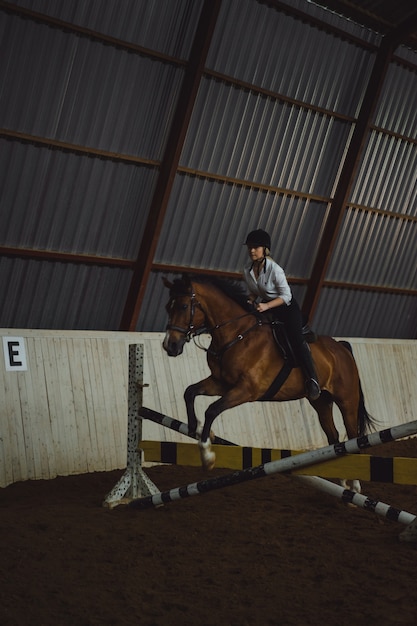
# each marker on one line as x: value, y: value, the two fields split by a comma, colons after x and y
x: 191, y: 331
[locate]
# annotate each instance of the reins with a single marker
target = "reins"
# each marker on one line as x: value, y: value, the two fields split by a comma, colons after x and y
x: 239, y: 337
x: 191, y: 332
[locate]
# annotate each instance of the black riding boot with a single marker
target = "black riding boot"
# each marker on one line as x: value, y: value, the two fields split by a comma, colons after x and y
x: 312, y: 386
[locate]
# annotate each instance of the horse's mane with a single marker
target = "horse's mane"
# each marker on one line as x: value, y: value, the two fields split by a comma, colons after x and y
x: 234, y: 289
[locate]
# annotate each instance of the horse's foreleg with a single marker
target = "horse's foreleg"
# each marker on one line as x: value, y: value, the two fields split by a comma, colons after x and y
x: 232, y: 398
x: 207, y: 387
x: 189, y: 397
x: 208, y: 457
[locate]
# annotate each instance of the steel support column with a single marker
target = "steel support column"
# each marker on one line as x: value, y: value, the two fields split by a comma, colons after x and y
x: 337, y: 208
x: 354, y: 154
x: 169, y: 164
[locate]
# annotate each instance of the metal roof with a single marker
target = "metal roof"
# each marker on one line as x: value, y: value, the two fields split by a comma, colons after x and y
x: 142, y: 138
x: 382, y: 16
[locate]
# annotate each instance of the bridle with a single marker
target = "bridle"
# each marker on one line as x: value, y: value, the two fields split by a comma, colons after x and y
x: 192, y: 331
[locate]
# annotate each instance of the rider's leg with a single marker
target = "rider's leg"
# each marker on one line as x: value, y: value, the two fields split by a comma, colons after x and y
x: 307, y: 365
x: 293, y: 324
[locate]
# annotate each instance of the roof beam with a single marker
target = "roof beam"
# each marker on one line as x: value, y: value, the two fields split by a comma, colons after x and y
x: 404, y: 30
x: 349, y: 169
x: 169, y: 165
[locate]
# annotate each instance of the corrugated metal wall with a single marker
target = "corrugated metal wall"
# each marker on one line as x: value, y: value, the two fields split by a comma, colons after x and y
x: 85, y: 111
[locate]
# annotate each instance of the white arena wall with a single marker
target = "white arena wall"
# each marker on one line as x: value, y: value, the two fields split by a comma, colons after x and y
x: 64, y: 403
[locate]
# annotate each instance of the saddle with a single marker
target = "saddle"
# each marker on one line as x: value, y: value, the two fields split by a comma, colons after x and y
x: 285, y: 348
x: 284, y: 345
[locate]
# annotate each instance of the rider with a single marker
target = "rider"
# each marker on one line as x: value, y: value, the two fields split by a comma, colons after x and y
x: 269, y: 289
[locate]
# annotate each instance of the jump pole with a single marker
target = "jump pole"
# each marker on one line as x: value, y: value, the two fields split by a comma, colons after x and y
x: 173, y: 424
x: 352, y: 497
x: 352, y: 446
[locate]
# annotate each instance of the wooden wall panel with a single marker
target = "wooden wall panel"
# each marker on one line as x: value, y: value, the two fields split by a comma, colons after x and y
x: 67, y: 414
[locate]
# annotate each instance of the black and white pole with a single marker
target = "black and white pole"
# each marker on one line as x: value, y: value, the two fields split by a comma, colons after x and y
x: 352, y: 497
x: 173, y: 424
x: 352, y: 446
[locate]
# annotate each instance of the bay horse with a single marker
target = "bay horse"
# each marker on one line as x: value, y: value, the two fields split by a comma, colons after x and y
x: 244, y: 361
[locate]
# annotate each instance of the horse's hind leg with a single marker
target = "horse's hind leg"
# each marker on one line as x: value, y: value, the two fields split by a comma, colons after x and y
x: 324, y: 407
x: 350, y: 420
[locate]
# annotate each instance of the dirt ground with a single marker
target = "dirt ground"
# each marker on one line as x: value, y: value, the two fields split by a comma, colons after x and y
x: 270, y: 551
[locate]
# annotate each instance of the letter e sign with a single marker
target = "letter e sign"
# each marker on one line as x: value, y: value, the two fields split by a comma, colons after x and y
x: 14, y: 354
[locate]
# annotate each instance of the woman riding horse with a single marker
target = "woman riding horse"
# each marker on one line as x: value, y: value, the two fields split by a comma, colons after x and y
x: 245, y: 364
x: 270, y: 292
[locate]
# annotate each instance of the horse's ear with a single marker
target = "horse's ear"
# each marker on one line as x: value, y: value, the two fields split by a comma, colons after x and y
x: 186, y: 280
x: 167, y: 283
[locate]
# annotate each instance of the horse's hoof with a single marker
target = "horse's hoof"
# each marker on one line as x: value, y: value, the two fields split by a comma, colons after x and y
x: 208, y: 457
x: 210, y: 463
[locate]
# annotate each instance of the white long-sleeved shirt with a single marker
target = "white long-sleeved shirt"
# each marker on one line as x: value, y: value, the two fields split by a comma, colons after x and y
x: 272, y: 282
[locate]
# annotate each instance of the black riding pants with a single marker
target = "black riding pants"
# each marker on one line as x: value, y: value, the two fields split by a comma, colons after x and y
x: 291, y: 318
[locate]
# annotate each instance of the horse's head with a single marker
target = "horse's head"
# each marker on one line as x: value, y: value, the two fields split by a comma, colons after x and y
x: 185, y: 316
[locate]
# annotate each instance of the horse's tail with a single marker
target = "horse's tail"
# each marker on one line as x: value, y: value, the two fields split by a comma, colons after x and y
x: 366, y: 423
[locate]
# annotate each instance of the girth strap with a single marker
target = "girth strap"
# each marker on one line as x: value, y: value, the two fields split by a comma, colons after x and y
x: 277, y: 383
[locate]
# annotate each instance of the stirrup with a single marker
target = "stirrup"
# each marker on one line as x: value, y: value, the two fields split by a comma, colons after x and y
x: 313, y: 389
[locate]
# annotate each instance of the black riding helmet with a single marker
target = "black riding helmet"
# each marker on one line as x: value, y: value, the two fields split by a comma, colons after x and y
x: 258, y: 238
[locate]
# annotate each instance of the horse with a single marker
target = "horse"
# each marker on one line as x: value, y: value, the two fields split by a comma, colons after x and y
x: 245, y: 361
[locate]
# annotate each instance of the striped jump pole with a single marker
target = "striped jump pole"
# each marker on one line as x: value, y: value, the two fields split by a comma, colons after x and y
x: 352, y: 446
x: 352, y: 497
x: 173, y: 424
